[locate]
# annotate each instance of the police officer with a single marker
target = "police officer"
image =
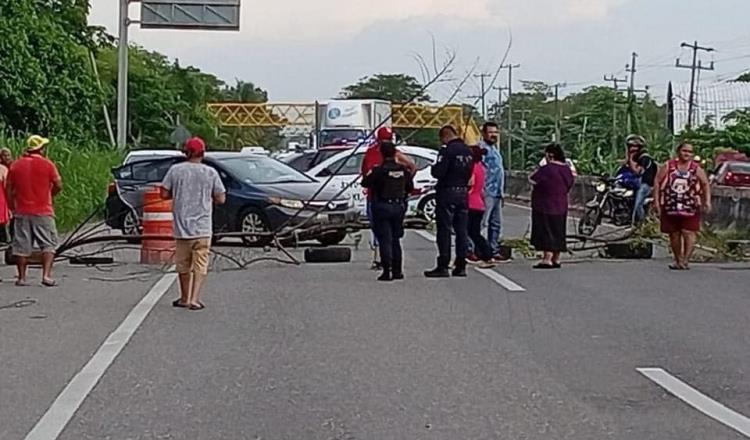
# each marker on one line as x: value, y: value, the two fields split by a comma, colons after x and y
x: 389, y: 183
x: 453, y: 170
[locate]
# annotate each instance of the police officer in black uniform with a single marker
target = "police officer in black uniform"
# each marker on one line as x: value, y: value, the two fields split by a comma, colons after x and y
x: 453, y: 170
x: 390, y: 183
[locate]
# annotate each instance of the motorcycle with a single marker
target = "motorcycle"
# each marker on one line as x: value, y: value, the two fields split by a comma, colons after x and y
x: 612, y: 200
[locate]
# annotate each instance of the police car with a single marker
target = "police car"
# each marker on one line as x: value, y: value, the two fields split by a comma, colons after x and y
x: 346, y: 167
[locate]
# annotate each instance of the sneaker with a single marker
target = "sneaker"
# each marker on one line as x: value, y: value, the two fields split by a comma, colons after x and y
x: 486, y: 265
x: 459, y: 272
x: 437, y: 273
x: 500, y: 259
x: 472, y: 259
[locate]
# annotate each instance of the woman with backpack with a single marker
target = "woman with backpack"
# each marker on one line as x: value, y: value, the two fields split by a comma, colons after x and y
x: 683, y: 193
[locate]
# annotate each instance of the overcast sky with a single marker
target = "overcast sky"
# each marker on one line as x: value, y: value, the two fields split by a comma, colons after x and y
x: 301, y: 50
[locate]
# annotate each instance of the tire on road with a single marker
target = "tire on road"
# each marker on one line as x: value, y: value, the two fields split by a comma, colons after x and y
x: 328, y: 255
x: 590, y: 221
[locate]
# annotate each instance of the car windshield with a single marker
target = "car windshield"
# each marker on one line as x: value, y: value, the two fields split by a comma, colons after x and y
x: 335, y: 137
x: 324, y: 155
x: 263, y: 171
x: 740, y: 167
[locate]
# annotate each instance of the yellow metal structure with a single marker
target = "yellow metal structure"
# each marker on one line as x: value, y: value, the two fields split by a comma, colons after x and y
x: 412, y: 116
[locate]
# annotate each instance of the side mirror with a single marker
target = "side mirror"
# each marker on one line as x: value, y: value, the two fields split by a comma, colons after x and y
x: 325, y: 172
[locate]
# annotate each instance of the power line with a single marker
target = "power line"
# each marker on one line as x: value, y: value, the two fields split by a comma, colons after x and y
x: 483, y: 93
x: 510, y: 68
x: 694, y: 67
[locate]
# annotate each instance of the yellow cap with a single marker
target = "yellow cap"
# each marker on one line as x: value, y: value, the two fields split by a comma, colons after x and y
x: 36, y: 142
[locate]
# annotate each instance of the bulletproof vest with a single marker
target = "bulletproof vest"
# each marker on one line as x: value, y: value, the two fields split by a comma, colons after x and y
x: 394, y: 181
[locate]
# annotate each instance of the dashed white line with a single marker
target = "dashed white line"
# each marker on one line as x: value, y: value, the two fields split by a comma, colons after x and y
x: 502, y: 280
x: 699, y: 401
x: 426, y: 235
x: 72, y: 396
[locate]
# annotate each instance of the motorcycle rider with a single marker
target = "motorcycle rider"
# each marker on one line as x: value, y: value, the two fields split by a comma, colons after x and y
x: 643, y: 165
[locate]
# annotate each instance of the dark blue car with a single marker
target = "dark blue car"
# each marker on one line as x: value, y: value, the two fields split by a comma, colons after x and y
x: 263, y: 195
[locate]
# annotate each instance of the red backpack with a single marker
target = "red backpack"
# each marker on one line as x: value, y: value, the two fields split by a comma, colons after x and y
x: 680, y: 190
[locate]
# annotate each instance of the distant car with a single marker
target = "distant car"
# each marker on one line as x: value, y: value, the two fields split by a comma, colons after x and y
x: 299, y: 161
x: 255, y: 149
x: 733, y: 173
x: 262, y: 195
x: 322, y: 154
x: 347, y: 166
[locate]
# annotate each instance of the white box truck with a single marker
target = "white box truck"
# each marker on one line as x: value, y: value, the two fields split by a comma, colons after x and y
x: 350, y: 121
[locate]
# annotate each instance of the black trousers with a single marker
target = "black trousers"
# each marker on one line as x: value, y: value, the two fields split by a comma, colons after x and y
x: 481, y: 247
x: 388, y: 226
x: 451, y: 213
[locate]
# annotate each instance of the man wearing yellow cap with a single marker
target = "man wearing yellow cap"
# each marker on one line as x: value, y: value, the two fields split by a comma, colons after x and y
x: 33, y: 181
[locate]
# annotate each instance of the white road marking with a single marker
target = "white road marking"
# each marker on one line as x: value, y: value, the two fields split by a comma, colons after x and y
x: 426, y: 235
x: 501, y: 280
x: 70, y: 399
x: 489, y: 273
x: 699, y: 401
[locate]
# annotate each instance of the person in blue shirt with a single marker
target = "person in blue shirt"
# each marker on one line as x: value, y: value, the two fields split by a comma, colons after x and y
x: 494, y: 187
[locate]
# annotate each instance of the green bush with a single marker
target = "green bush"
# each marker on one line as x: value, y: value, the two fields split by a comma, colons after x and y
x: 85, y: 171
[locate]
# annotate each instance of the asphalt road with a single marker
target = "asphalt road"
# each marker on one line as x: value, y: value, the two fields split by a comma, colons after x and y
x: 325, y: 352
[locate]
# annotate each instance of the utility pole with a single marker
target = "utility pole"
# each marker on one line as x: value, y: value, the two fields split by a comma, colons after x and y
x: 558, y: 135
x: 631, y: 69
x: 122, y: 77
x: 500, y: 90
x: 510, y: 68
x: 483, y: 93
x: 694, y: 67
x: 523, y: 143
x: 616, y: 86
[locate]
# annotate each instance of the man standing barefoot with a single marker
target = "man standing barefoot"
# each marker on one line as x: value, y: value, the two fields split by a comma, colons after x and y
x: 193, y: 188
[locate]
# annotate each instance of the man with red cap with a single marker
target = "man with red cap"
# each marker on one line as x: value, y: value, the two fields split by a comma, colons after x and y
x: 193, y: 188
x: 373, y: 158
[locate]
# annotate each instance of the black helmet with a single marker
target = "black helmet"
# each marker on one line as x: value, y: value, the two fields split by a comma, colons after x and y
x: 635, y: 140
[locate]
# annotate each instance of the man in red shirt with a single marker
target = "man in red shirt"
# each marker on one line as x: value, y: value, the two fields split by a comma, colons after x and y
x: 373, y: 158
x: 33, y: 181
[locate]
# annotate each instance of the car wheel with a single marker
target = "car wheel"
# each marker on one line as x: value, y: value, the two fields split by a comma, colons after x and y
x: 131, y: 227
x: 254, y: 221
x: 332, y: 239
x: 427, y: 206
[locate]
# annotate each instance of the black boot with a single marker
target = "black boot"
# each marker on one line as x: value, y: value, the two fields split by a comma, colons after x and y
x: 386, y: 275
x: 397, y: 270
x: 441, y: 271
x: 459, y: 269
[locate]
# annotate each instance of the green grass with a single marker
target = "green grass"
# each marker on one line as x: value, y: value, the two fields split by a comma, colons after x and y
x: 85, y: 171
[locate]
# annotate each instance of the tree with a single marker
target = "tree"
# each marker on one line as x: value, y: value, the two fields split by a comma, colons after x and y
x: 47, y: 82
x: 396, y: 88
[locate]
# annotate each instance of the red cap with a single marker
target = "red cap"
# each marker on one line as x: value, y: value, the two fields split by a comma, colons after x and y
x: 385, y: 134
x: 195, y: 146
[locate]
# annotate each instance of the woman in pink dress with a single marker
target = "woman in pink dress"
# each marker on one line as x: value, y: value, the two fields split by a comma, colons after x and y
x: 477, y: 208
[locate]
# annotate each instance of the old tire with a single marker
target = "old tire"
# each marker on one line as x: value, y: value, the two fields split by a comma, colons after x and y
x: 254, y: 221
x: 328, y: 255
x: 629, y: 250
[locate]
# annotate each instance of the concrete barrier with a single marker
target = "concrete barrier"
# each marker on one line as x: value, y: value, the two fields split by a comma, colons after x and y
x: 731, y: 206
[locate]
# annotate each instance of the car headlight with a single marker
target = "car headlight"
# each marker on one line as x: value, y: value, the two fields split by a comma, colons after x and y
x: 600, y: 187
x: 288, y: 203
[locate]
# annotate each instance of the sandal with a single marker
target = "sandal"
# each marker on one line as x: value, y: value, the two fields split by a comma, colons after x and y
x: 543, y: 266
x: 675, y: 266
x: 20, y: 283
x: 556, y: 266
x: 199, y: 306
x: 178, y: 303
x: 49, y: 283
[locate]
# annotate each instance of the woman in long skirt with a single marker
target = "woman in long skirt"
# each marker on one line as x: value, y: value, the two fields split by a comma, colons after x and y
x: 549, y: 207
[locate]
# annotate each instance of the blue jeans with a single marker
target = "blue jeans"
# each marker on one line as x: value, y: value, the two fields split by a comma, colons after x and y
x: 639, y: 213
x: 492, y: 224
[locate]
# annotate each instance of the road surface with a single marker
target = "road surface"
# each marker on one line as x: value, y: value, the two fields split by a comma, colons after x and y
x: 325, y: 352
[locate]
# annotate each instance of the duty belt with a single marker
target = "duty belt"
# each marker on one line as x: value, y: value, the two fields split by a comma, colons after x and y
x: 453, y: 188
